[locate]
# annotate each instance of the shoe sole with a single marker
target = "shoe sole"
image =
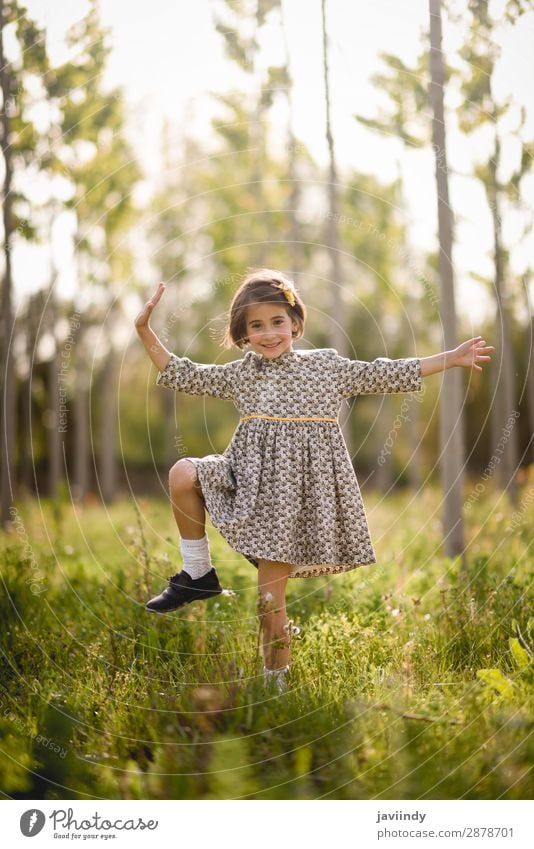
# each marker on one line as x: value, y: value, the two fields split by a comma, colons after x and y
x: 208, y: 595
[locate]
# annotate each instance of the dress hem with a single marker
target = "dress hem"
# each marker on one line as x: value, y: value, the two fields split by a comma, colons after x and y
x: 302, y: 570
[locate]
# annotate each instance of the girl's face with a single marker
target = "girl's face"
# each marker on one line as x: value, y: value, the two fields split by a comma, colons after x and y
x: 269, y: 329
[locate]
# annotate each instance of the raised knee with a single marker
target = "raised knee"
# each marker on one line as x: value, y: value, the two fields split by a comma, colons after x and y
x: 182, y: 476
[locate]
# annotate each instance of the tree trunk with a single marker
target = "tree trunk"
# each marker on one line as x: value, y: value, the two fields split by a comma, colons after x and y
x: 25, y: 465
x: 530, y: 367
x: 29, y: 323
x: 171, y: 442
x: 108, y: 429
x: 80, y: 473
x: 415, y: 471
x: 411, y: 420
x: 336, y: 324
x: 451, y: 423
x: 337, y: 337
x: 54, y: 434
x: 383, y: 477
x: 257, y: 144
x: 295, y: 248
x: 505, y: 444
x: 7, y: 452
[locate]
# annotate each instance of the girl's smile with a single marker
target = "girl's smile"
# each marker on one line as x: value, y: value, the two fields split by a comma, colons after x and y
x: 270, y: 329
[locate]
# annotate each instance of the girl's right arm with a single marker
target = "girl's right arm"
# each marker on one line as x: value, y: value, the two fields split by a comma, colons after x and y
x: 182, y: 374
x: 155, y: 349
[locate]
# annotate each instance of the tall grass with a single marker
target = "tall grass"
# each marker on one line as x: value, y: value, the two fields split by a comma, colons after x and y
x: 410, y: 679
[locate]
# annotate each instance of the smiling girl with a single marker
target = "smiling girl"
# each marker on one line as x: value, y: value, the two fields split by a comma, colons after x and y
x: 284, y: 493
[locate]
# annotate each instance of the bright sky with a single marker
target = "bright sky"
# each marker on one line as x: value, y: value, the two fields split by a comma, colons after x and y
x: 168, y: 58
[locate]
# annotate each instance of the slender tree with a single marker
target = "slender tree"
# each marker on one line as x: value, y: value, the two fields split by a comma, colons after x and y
x: 337, y: 324
x: 452, y: 451
x: 8, y: 406
x: 29, y: 319
x: 55, y: 441
x: 294, y: 148
x: 407, y: 119
x: 529, y: 342
x: 338, y: 335
x: 480, y: 109
x: 18, y: 141
x: 92, y: 119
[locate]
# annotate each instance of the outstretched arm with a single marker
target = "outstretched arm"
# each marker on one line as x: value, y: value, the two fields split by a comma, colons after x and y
x: 156, y: 350
x: 468, y: 354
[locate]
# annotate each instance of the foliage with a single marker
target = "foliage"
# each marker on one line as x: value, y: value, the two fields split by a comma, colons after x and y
x: 408, y: 680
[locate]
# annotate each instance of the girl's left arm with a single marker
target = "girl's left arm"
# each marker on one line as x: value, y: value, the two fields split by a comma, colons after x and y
x: 468, y: 354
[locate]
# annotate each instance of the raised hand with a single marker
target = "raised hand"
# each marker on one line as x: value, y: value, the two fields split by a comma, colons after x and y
x: 143, y: 318
x: 469, y: 353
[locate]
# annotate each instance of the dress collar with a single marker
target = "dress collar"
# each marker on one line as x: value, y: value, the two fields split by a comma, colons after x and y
x: 261, y: 363
x: 279, y: 358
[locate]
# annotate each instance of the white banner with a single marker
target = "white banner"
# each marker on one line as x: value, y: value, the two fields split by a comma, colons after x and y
x: 257, y: 824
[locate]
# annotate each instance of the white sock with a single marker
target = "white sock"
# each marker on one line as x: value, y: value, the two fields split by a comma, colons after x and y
x: 276, y: 675
x: 196, y: 556
x: 268, y: 673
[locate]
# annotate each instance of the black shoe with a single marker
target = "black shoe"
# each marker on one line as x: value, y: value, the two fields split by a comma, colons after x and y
x: 183, y: 589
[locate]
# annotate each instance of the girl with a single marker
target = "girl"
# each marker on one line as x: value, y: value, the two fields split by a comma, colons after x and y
x: 284, y: 492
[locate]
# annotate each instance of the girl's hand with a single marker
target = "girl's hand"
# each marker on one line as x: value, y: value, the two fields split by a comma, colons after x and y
x: 143, y: 318
x: 469, y: 353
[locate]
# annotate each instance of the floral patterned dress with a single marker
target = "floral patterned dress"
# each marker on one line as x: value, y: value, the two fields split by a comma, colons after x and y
x: 285, y: 489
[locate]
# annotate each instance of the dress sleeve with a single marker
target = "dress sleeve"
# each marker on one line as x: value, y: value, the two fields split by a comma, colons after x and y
x: 184, y: 375
x: 379, y: 377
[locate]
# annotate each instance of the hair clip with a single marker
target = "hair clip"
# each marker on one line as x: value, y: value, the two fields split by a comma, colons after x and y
x: 288, y: 291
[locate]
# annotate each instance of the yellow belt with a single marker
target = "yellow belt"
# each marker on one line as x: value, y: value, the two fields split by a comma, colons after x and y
x: 290, y: 418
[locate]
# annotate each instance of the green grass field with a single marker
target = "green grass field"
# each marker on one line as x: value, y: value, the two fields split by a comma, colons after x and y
x: 409, y: 681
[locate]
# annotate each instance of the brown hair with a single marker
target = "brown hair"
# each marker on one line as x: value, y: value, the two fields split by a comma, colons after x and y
x: 261, y: 285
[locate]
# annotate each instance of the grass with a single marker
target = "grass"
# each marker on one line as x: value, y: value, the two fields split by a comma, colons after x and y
x: 408, y: 680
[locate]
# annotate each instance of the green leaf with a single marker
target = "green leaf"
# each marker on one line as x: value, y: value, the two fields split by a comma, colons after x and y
x: 494, y: 678
x: 521, y: 656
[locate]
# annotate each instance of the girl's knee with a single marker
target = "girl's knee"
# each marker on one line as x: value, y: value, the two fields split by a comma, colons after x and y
x: 183, y: 475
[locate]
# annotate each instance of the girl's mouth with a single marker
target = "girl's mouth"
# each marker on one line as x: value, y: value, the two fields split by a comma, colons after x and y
x: 272, y: 346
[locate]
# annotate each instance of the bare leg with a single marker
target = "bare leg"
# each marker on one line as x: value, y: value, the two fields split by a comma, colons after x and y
x: 272, y: 578
x: 188, y: 504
